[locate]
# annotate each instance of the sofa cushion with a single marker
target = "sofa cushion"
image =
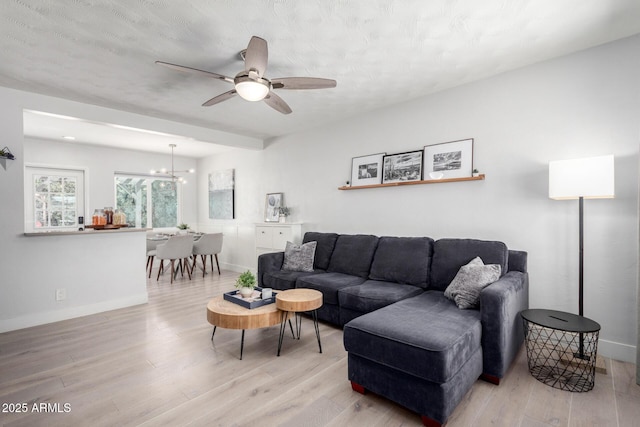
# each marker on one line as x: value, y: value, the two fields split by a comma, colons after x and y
x: 426, y: 336
x: 283, y: 279
x: 353, y: 254
x: 465, y: 288
x: 374, y: 294
x: 402, y: 260
x: 324, y: 248
x: 328, y: 284
x: 299, y: 257
x: 451, y: 254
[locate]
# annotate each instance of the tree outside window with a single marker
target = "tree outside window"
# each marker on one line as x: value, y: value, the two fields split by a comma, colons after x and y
x: 147, y: 202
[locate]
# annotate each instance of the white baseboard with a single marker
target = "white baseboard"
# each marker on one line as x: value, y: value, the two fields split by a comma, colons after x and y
x: 237, y: 268
x: 617, y: 351
x: 36, y: 319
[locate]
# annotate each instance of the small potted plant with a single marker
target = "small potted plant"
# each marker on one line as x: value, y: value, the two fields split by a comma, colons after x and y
x: 6, y: 154
x: 475, y: 172
x: 183, y: 228
x: 284, y: 213
x: 245, y: 284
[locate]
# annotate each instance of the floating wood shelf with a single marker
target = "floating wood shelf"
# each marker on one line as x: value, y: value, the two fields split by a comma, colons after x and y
x: 428, y: 181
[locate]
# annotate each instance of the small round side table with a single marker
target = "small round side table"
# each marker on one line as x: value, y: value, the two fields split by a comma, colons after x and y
x: 298, y: 301
x: 561, y: 348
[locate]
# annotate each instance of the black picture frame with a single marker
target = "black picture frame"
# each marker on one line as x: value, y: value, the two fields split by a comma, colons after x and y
x: 402, y: 167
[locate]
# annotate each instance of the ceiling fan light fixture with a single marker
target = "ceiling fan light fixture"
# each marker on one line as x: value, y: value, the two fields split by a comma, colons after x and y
x: 250, y: 84
x: 250, y: 89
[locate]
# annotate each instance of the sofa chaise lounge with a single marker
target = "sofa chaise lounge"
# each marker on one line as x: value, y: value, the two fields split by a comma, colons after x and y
x: 406, y: 340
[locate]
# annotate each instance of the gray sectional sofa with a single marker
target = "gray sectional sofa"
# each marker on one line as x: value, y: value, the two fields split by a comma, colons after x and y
x: 406, y: 340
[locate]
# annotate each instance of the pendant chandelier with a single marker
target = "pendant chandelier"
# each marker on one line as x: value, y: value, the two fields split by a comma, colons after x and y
x: 172, y: 173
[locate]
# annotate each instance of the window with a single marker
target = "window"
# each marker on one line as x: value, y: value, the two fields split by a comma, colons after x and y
x: 148, y: 202
x: 54, y: 198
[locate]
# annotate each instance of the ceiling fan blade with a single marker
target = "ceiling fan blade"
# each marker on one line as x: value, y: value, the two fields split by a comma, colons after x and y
x: 302, y: 83
x: 256, y: 56
x: 195, y: 71
x: 277, y: 103
x: 218, y: 99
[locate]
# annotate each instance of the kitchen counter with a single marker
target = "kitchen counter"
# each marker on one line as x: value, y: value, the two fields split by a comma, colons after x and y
x: 86, y: 232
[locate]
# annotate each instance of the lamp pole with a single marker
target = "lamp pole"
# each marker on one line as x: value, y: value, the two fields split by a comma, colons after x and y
x: 581, y: 263
x: 580, y: 354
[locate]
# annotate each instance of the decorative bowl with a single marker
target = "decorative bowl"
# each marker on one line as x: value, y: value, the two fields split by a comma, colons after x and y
x: 436, y: 175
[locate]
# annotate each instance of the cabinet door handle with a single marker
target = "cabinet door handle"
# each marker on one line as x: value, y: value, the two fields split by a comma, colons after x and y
x: 262, y: 232
x: 280, y: 232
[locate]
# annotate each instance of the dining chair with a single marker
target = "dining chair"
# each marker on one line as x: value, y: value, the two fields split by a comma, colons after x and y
x: 177, y: 248
x: 209, y: 244
x: 152, y: 243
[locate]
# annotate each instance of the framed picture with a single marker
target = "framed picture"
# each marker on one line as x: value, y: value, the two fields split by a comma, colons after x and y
x: 454, y: 159
x: 221, y: 187
x: 366, y: 170
x: 271, y: 207
x: 402, y: 167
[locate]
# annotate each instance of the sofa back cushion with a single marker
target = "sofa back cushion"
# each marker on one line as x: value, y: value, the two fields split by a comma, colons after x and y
x: 451, y: 254
x: 403, y: 260
x: 324, y: 248
x: 353, y: 254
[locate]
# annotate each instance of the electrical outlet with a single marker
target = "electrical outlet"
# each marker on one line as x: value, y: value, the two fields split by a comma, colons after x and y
x: 61, y: 294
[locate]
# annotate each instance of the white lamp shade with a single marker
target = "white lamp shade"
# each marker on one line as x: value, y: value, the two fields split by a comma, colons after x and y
x: 590, y: 178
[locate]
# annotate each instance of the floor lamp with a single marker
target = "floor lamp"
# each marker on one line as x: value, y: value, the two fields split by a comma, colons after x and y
x: 587, y: 178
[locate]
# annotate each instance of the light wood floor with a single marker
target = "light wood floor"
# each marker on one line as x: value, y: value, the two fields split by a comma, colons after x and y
x: 154, y: 365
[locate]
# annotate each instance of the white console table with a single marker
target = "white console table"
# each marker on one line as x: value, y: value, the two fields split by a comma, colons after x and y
x: 273, y: 237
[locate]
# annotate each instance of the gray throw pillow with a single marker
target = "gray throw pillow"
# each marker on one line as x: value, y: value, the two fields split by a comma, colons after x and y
x: 299, y: 257
x: 465, y: 288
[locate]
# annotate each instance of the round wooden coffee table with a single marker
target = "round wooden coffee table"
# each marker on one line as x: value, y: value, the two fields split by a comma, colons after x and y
x: 298, y: 301
x: 233, y: 316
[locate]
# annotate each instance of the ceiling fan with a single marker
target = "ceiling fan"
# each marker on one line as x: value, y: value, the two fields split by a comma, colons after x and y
x: 251, y: 84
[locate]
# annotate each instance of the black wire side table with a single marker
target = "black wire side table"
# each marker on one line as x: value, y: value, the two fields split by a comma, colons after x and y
x: 561, y: 348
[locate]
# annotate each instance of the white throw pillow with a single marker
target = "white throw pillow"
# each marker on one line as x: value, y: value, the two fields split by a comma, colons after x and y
x: 471, y: 279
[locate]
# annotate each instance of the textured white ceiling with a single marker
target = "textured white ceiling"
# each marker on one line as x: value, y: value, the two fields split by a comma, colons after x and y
x: 381, y: 52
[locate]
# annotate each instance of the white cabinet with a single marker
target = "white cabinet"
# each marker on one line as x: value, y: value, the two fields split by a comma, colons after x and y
x: 274, y: 237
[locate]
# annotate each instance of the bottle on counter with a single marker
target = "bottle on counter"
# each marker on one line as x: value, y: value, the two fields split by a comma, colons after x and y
x: 108, y: 212
x: 119, y: 217
x: 98, y: 217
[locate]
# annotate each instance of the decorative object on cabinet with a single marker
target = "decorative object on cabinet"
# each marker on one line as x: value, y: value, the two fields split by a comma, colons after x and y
x: 366, y: 170
x: 454, y: 159
x: 402, y: 167
x: 221, y: 193
x: 475, y: 172
x: 284, y: 212
x: 272, y: 205
x: 587, y: 178
x: 5, y: 154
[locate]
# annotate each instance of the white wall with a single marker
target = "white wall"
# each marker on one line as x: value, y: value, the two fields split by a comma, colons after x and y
x: 581, y: 105
x: 32, y: 268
